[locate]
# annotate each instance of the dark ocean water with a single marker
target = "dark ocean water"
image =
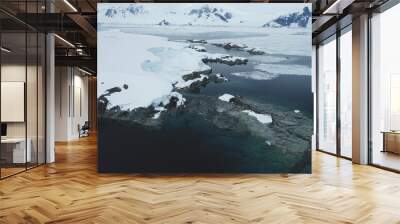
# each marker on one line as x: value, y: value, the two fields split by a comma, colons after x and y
x: 289, y: 91
x: 190, y: 144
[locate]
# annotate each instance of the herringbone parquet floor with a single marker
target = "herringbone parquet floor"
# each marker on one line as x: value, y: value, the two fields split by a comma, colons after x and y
x: 71, y: 191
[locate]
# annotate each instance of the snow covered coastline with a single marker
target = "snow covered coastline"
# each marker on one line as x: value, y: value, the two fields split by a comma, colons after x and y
x: 153, y: 66
x: 152, y: 69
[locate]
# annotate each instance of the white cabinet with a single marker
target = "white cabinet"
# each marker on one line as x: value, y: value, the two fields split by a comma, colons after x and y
x: 19, y: 155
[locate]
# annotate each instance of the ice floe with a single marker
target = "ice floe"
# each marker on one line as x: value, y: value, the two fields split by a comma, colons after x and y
x: 263, y: 118
x: 226, y: 97
x: 284, y: 69
x: 257, y: 75
x: 219, y: 76
x: 159, y: 111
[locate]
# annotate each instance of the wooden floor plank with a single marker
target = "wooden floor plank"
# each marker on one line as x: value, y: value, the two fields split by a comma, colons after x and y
x: 71, y: 191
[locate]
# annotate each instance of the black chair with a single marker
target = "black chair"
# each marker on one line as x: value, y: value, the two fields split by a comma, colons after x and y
x: 84, y: 130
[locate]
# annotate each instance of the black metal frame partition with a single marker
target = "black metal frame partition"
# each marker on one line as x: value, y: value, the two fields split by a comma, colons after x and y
x: 337, y: 35
x: 36, y: 33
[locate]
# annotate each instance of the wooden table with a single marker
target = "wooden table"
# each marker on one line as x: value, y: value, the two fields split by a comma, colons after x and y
x: 391, y: 141
x: 13, y: 150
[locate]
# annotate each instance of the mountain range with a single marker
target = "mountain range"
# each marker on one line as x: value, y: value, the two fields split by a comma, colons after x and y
x: 296, y: 19
x: 207, y: 14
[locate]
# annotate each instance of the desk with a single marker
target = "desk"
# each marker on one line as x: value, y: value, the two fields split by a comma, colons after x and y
x: 13, y: 150
x: 391, y: 141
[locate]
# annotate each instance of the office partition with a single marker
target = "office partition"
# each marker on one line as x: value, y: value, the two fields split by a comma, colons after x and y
x: 22, y: 77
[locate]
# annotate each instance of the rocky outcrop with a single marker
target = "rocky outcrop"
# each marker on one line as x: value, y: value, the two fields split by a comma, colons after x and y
x: 225, y: 59
x: 229, y: 46
x: 164, y: 23
x: 198, y: 48
x: 255, y: 51
x: 217, y: 78
x: 197, y: 41
x: 240, y: 47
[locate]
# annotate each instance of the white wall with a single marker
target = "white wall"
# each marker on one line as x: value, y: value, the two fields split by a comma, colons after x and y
x: 71, y: 102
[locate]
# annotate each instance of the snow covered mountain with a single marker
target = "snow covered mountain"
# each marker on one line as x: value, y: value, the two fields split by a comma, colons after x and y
x: 207, y: 14
x: 297, y: 19
x: 203, y: 14
x: 124, y: 12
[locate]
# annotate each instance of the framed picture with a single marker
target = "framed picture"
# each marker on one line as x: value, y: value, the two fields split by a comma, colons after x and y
x: 204, y: 88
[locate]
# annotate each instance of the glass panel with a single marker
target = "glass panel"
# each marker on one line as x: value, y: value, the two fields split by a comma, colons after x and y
x: 346, y: 94
x: 13, y: 88
x: 41, y: 99
x: 327, y: 96
x: 385, y: 95
x: 23, y: 90
x: 314, y: 78
x: 32, y: 89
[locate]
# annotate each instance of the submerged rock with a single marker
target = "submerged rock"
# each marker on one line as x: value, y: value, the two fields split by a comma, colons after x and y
x: 284, y: 131
x: 218, y: 78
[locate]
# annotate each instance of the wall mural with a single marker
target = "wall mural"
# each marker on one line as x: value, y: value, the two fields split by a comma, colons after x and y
x: 204, y: 88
